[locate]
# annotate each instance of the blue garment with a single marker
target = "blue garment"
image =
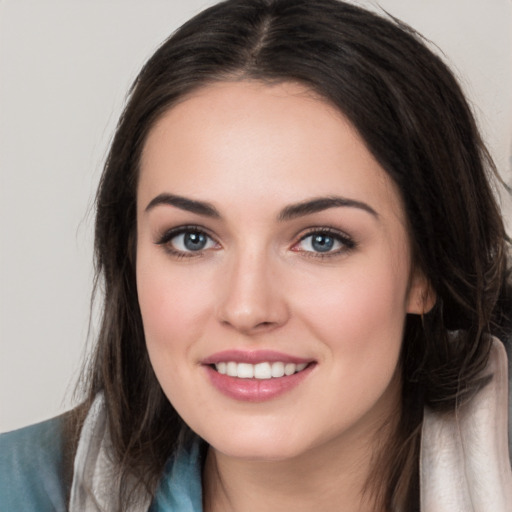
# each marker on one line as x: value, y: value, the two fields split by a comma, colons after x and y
x: 31, y: 469
x: 180, y: 488
x: 31, y: 473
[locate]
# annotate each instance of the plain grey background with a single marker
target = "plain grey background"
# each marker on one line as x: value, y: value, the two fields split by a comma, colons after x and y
x: 65, y: 68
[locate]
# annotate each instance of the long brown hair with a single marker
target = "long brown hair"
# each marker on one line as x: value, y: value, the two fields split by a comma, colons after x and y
x: 413, y: 117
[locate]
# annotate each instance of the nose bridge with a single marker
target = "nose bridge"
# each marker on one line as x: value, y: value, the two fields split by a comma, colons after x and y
x: 252, y: 299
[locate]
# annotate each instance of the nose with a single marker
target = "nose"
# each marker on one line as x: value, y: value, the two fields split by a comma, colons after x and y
x: 252, y: 298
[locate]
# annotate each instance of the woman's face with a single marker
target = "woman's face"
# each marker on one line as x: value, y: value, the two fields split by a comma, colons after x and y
x: 273, y: 271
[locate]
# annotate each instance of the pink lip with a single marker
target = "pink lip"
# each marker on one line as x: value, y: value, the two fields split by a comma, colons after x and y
x: 254, y: 390
x: 253, y: 357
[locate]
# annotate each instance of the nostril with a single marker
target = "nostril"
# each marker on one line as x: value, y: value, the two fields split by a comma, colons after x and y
x: 262, y: 326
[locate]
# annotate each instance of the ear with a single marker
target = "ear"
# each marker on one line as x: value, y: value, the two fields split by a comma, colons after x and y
x: 421, y: 296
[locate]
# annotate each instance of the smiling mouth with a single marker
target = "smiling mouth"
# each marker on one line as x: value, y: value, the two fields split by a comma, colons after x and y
x: 261, y: 371
x: 256, y: 376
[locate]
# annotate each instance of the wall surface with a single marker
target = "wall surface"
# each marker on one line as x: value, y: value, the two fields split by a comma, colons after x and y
x: 65, y: 67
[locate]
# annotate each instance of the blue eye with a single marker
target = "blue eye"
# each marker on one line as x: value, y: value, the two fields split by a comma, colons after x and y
x: 322, y: 243
x: 185, y: 241
x: 325, y: 242
x: 193, y: 241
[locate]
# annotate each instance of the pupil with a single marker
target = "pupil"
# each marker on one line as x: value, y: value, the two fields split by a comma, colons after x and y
x: 194, y: 241
x: 322, y: 243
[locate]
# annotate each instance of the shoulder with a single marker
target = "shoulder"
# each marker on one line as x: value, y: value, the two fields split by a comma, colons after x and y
x: 31, y: 468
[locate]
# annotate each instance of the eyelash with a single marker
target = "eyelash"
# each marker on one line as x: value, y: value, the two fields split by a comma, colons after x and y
x: 347, y: 243
x: 169, y: 235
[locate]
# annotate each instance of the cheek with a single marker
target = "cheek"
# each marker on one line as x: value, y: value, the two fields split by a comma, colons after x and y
x: 359, y: 315
x: 361, y: 299
x: 173, y: 307
x: 171, y: 302
x: 360, y: 321
x: 171, y: 312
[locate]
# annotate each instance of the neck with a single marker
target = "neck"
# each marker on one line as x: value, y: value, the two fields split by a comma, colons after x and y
x: 331, y: 477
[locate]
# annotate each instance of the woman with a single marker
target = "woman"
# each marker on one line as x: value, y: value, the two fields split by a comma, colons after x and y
x: 303, y: 265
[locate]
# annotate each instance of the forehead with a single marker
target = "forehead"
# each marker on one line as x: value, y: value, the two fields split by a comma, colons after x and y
x: 253, y: 141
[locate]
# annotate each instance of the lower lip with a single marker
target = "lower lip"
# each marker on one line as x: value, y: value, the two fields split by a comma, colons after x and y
x: 256, y: 390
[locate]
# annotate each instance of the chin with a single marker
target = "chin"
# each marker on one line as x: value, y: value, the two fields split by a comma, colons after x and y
x: 258, y: 453
x: 260, y: 446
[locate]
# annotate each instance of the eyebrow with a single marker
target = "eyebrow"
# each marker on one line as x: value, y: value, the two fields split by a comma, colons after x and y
x: 320, y: 204
x: 290, y: 212
x: 189, y: 205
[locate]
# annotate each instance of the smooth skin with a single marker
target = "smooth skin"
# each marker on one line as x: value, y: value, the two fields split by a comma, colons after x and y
x: 231, y: 262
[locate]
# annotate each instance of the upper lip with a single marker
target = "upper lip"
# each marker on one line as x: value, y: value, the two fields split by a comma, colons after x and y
x: 253, y: 357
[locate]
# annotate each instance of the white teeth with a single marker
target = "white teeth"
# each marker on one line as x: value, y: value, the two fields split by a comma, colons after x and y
x: 277, y: 369
x: 263, y: 371
x: 289, y: 368
x: 245, y: 371
x: 231, y: 369
x: 260, y: 371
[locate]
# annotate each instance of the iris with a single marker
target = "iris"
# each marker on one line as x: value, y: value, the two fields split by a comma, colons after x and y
x: 194, y: 241
x: 322, y: 243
